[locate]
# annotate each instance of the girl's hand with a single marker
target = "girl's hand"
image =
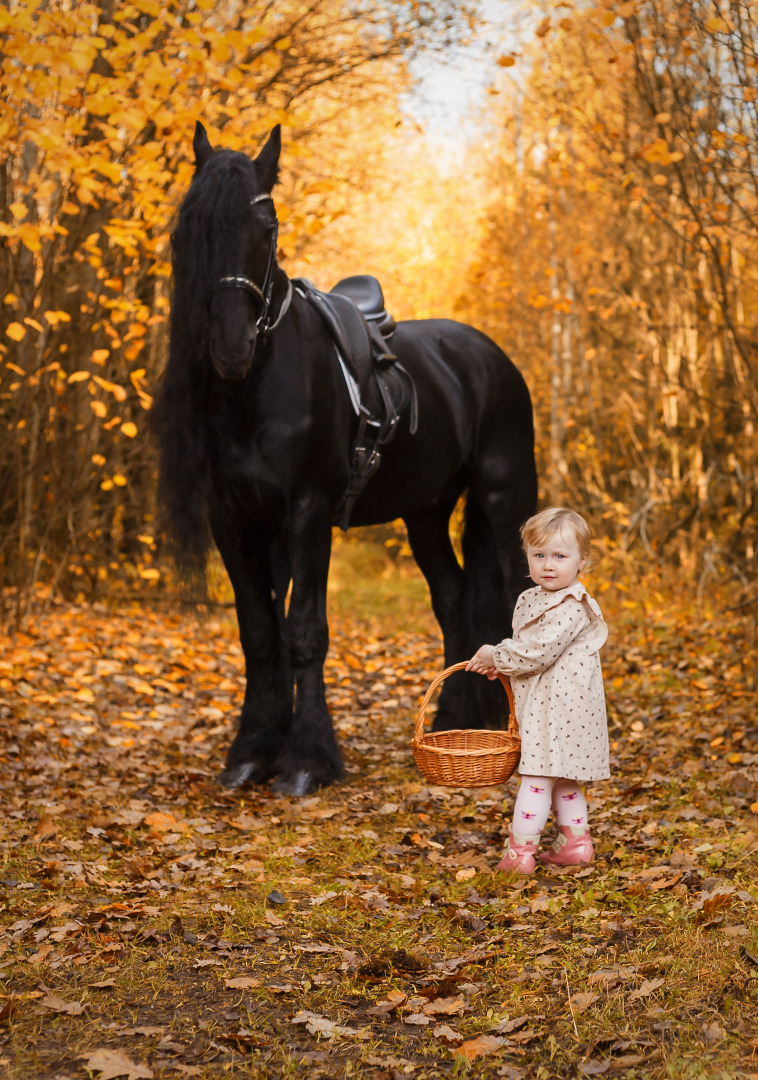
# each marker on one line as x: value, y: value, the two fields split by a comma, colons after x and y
x: 483, y: 662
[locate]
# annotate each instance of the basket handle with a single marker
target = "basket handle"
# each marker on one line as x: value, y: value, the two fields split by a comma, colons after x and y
x: 512, y: 722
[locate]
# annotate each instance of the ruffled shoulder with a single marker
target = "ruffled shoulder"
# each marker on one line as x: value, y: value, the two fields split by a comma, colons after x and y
x: 535, y: 602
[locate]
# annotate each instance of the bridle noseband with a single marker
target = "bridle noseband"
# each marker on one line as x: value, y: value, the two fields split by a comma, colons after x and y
x: 262, y: 293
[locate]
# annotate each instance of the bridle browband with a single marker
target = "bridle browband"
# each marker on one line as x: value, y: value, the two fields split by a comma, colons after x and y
x: 263, y: 293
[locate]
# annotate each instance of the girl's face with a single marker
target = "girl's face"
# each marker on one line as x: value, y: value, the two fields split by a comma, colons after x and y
x: 556, y: 563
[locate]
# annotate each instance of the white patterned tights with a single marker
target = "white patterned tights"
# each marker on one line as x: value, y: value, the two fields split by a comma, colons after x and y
x: 537, y: 794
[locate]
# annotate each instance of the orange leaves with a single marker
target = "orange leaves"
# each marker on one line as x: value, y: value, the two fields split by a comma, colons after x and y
x: 159, y: 822
x: 118, y: 392
x: 15, y: 331
x: 479, y: 1047
x: 544, y: 27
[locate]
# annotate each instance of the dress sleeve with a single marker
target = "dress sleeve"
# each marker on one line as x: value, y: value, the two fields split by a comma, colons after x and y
x: 552, y: 634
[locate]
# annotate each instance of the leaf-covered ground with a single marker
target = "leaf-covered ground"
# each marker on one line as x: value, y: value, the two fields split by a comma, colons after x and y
x: 156, y: 925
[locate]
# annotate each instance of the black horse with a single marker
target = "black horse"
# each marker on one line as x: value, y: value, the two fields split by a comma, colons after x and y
x: 256, y: 433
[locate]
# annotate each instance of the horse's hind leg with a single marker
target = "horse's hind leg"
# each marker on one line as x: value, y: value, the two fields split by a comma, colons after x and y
x: 486, y: 614
x: 501, y: 497
x: 429, y: 538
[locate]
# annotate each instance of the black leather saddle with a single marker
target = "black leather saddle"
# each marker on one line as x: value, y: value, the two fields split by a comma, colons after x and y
x: 380, y: 388
x: 366, y: 293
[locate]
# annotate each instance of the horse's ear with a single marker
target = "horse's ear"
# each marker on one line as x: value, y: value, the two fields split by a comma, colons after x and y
x: 201, y: 145
x: 267, y: 161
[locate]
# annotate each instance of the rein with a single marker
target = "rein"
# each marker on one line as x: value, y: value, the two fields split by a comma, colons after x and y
x: 262, y: 293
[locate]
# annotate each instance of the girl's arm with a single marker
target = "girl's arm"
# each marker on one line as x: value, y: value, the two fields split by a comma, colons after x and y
x: 483, y: 662
x: 556, y: 629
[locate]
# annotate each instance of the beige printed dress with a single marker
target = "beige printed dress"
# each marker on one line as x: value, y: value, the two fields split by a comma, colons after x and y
x: 553, y: 662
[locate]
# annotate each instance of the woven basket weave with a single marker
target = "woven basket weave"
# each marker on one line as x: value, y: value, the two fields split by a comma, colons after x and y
x: 459, y: 758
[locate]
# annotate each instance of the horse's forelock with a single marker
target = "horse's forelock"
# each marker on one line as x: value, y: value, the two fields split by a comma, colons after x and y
x: 210, y: 227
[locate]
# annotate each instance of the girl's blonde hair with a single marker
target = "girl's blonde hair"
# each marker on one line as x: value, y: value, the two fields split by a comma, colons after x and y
x: 543, y: 526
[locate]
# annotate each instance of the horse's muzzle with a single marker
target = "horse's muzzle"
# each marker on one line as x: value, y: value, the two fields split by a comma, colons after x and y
x: 233, y: 363
x: 232, y: 373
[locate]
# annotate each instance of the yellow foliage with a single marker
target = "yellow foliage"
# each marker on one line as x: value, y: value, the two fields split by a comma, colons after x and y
x: 118, y: 392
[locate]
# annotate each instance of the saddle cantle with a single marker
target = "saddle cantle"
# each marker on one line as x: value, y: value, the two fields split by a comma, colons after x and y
x: 366, y: 293
x: 380, y: 388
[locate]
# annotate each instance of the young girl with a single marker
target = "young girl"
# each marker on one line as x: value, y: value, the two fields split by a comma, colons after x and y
x: 554, y: 665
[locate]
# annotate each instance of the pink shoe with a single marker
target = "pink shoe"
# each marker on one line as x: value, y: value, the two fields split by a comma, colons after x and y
x: 518, y: 857
x: 573, y: 847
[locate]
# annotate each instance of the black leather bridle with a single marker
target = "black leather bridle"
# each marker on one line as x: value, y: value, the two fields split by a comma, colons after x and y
x: 262, y: 294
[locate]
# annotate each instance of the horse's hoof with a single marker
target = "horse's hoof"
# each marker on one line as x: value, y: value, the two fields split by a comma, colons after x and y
x: 234, y: 776
x: 296, y: 784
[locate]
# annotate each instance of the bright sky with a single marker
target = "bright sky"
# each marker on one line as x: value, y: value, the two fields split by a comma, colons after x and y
x: 453, y: 86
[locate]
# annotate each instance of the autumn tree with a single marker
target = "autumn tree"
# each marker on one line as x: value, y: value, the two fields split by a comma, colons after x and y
x: 619, y: 268
x: 98, y: 105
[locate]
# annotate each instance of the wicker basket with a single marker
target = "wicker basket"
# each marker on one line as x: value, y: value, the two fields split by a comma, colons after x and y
x: 475, y: 758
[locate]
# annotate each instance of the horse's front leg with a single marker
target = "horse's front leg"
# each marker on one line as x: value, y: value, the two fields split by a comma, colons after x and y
x: 267, y: 707
x: 309, y: 758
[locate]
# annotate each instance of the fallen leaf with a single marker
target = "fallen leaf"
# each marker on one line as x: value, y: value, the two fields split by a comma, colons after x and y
x: 506, y: 1026
x: 160, y: 822
x: 395, y: 1000
x: 609, y: 977
x: 73, y: 1008
x: 319, y: 1025
x: 466, y: 873
x: 46, y: 826
x: 452, y: 1006
x: 645, y: 989
x: 417, y: 1018
x: 243, y: 982
x: 112, y: 1063
x: 479, y: 1047
x: 580, y: 1002
x: 447, y: 1035
x: 322, y: 898
x: 317, y: 948
x: 711, y: 903
x: 713, y: 1033
x: 595, y: 1068
x: 525, y: 1036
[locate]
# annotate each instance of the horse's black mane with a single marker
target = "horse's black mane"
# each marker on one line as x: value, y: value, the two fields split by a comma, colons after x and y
x: 207, y: 230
